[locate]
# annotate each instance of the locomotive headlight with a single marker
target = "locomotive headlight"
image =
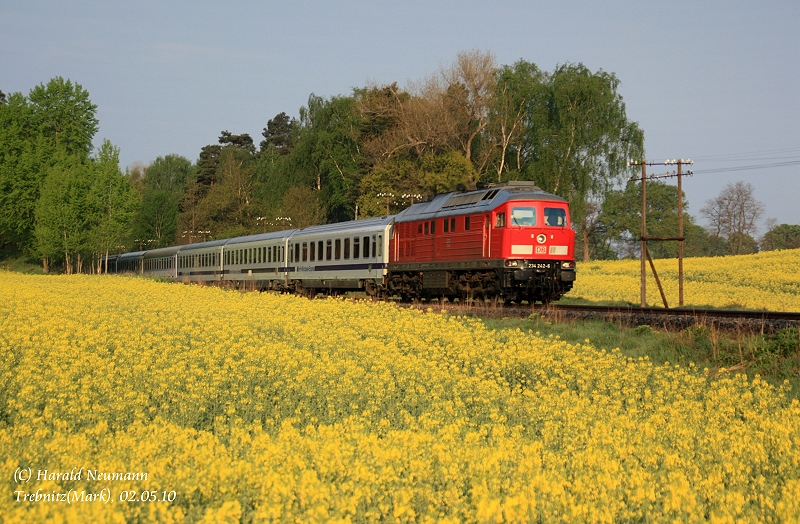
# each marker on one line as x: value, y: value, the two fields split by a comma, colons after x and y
x: 541, y: 238
x: 567, y: 264
x: 512, y: 263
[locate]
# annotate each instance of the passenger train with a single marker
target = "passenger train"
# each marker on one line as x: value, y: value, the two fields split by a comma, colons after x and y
x: 510, y: 241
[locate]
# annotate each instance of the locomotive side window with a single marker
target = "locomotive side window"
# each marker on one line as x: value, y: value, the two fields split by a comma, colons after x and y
x: 446, y: 226
x: 366, y: 247
x: 419, y: 229
x: 466, y: 223
x: 500, y: 220
x: 555, y: 216
x: 523, y: 216
x: 433, y: 227
x: 452, y: 225
x: 426, y: 228
x: 356, y: 247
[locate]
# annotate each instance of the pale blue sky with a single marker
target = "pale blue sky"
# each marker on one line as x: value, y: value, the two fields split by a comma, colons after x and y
x: 716, y: 81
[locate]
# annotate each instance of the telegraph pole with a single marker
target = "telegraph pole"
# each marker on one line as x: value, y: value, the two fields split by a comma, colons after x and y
x: 643, y: 236
x: 643, y: 231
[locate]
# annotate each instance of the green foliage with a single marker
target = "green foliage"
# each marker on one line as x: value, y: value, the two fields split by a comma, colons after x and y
x: 784, y: 236
x: 62, y: 112
x: 449, y: 171
x: 63, y: 211
x: 278, y: 134
x: 156, y: 223
x: 114, y: 202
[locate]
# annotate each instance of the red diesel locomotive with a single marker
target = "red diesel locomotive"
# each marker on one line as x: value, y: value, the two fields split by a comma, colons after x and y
x: 512, y: 241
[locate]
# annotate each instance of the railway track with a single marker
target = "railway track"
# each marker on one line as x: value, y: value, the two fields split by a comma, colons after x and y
x: 673, y: 319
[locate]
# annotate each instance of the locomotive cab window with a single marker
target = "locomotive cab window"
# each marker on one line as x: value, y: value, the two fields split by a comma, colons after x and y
x: 523, y: 216
x: 500, y: 220
x: 555, y: 216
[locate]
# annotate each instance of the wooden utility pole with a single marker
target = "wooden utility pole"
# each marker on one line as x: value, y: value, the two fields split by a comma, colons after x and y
x: 680, y: 235
x: 645, y: 255
x: 643, y: 236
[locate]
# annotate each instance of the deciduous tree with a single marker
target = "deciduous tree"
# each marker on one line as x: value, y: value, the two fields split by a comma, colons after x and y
x: 734, y: 215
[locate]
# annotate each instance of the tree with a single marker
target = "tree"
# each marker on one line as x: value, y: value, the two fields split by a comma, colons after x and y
x: 784, y: 236
x: 579, y: 145
x: 169, y: 173
x: 733, y: 215
x: 55, y: 119
x: 520, y: 93
x: 303, y: 207
x: 113, y: 200
x: 63, y: 112
x: 621, y: 216
x: 164, y: 183
x: 327, y: 154
x: 278, y: 133
x: 156, y: 222
x: 63, y: 212
x: 243, y: 141
x: 469, y: 98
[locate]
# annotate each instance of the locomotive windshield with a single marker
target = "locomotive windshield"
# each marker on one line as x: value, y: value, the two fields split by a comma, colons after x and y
x: 523, y: 216
x: 555, y: 216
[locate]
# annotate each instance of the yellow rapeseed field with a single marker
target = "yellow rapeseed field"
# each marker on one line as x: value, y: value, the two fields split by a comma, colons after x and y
x: 767, y: 280
x: 128, y: 400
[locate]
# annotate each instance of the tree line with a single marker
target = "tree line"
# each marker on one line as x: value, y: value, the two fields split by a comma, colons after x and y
x: 373, y: 151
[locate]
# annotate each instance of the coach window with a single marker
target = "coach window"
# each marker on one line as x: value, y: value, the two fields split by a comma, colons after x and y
x: 374, y: 244
x: 347, y: 248
x: 356, y: 247
x: 366, y: 247
x: 338, y: 249
x: 321, y: 250
x: 311, y: 251
x: 297, y: 252
x: 555, y: 216
x: 500, y: 220
x: 380, y: 246
x: 328, y: 250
